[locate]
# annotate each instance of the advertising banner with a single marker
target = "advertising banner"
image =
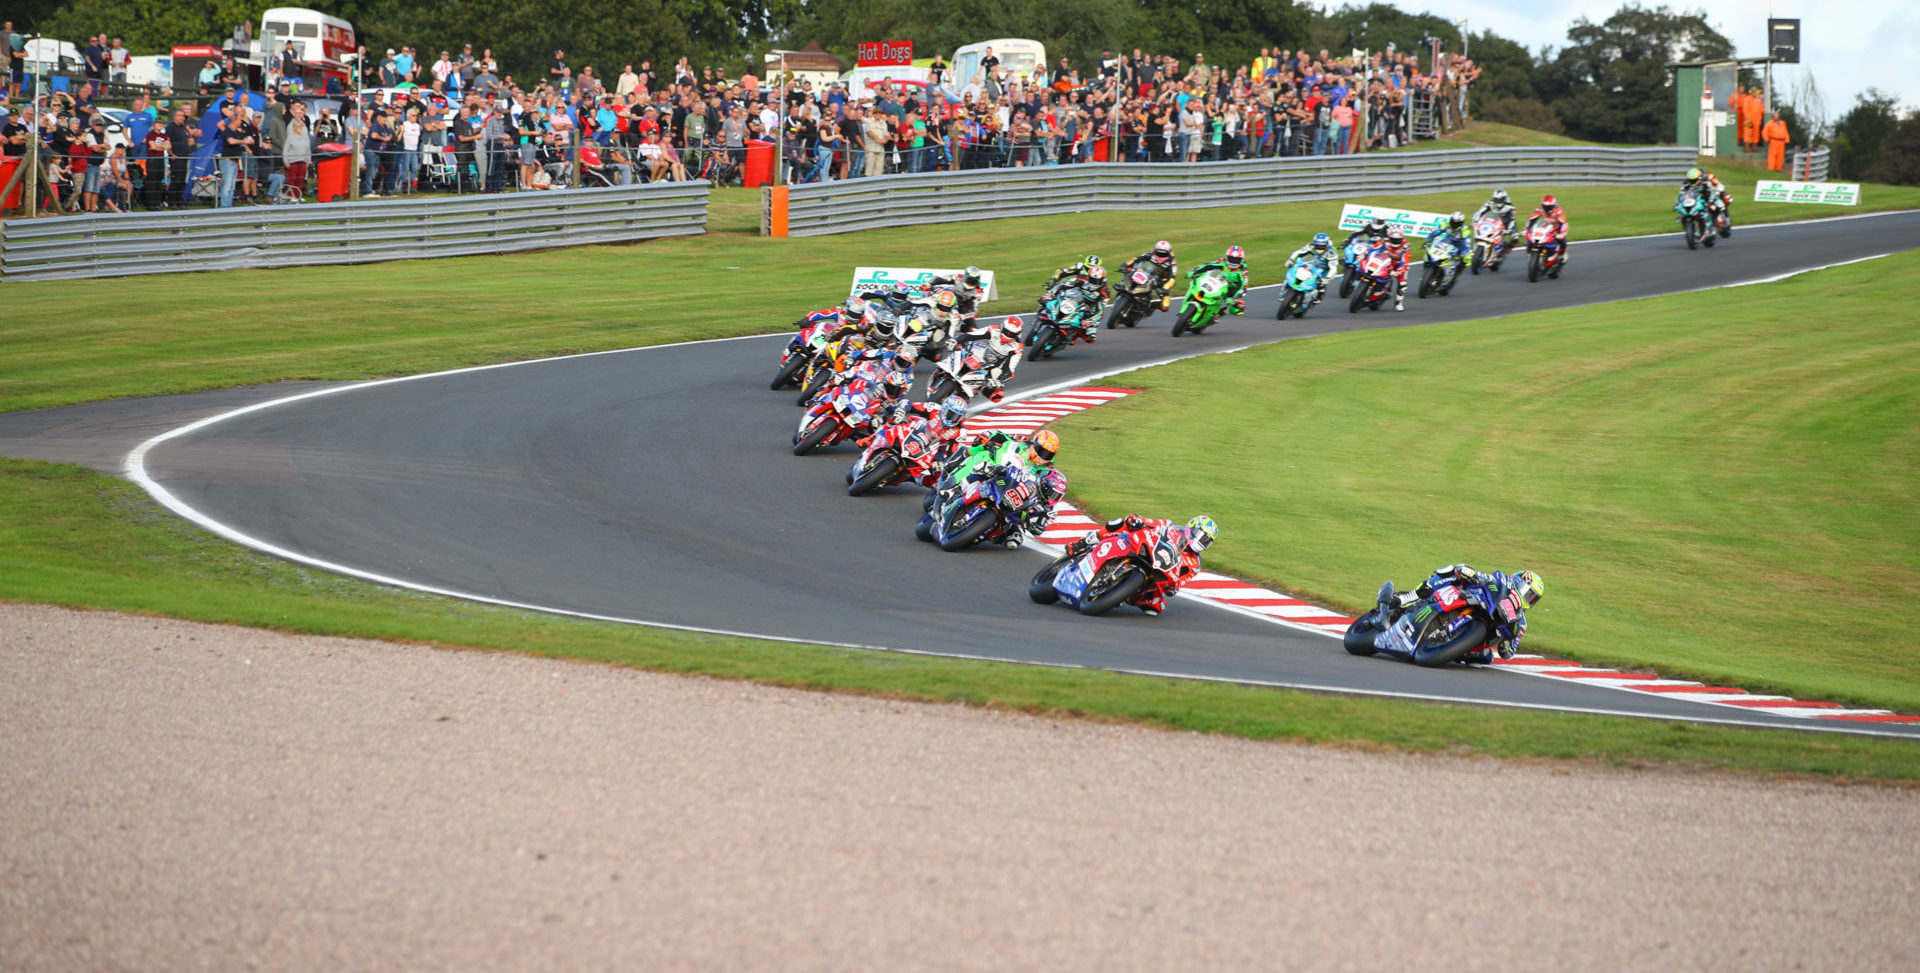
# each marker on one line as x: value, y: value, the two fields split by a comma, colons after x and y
x: 1832, y: 193
x: 879, y: 53
x: 1411, y: 222
x: 886, y: 278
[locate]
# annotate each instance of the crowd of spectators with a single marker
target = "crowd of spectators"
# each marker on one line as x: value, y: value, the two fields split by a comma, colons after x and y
x: 455, y: 122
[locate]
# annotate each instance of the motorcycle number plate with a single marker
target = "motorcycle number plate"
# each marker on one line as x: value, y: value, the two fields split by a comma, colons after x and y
x: 1398, y: 638
x: 1071, y: 582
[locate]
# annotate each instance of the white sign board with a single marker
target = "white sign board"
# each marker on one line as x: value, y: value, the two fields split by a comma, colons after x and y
x: 1411, y: 222
x: 887, y: 278
x: 1834, y: 193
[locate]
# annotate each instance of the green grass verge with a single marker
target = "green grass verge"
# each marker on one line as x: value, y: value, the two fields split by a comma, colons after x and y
x: 80, y: 341
x: 1718, y: 485
x: 72, y: 537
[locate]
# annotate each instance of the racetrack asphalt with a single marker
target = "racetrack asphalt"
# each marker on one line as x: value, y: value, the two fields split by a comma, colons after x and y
x: 658, y: 485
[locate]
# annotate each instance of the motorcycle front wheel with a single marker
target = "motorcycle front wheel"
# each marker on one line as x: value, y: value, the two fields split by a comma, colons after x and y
x: 1346, y: 285
x: 1359, y: 298
x: 814, y: 437
x: 788, y: 372
x: 1042, y: 340
x: 1360, y: 635
x: 1693, y: 235
x: 1288, y: 298
x: 1430, y: 282
x: 1479, y: 257
x: 1186, y: 317
x: 876, y: 476
x: 1118, y: 316
x: 1040, y: 589
x: 1533, y: 267
x: 1114, y: 586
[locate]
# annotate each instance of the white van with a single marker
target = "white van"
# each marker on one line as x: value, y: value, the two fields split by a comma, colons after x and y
x: 49, y: 55
x: 154, y: 70
x: 1024, y: 60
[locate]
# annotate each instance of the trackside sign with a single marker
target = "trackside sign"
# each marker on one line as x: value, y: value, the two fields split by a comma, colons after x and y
x: 887, y: 278
x: 1832, y: 193
x: 1411, y: 222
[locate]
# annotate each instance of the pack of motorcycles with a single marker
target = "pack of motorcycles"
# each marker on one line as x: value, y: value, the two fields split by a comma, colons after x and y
x: 980, y: 489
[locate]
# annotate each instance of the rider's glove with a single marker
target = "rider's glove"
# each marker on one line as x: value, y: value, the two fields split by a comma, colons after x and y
x: 1506, y: 648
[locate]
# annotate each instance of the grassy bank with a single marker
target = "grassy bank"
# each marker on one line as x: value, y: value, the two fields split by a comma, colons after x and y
x: 71, y: 537
x: 85, y: 340
x: 1718, y: 485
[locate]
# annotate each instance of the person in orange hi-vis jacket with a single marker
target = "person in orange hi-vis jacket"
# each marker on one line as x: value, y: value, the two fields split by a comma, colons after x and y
x: 1749, y: 126
x: 1776, y: 135
x: 1756, y: 112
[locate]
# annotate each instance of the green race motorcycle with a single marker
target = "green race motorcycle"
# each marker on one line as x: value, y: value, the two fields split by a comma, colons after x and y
x: 1206, y: 299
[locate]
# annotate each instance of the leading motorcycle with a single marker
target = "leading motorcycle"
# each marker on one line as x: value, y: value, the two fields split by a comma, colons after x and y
x: 1445, y: 626
x: 1545, y: 252
x: 1206, y: 298
x: 1443, y: 268
x: 1693, y: 215
x: 1373, y: 281
x: 845, y: 411
x: 898, y: 452
x: 1061, y: 322
x: 1490, y: 244
x: 1298, y: 290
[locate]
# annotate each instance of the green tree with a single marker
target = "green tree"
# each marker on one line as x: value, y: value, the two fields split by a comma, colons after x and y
x: 1610, y: 83
x: 149, y: 26
x: 1898, y: 161
x: 1860, y: 133
x: 1376, y: 25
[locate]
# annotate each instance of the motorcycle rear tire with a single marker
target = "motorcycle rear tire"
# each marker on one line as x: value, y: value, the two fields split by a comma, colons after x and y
x: 1471, y: 636
x: 880, y: 475
x: 924, y: 529
x: 1709, y: 239
x: 969, y: 535
x: 1186, y: 316
x: 787, y: 373
x: 1359, y: 637
x: 1118, y: 592
x: 814, y: 437
x: 1040, y: 589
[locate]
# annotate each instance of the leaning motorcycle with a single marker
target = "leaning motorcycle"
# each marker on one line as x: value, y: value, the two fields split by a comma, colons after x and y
x: 1448, y: 624
x: 806, y: 344
x: 984, y: 508
x: 1692, y: 210
x: 1489, y: 243
x: 1061, y: 322
x: 829, y: 364
x: 1356, y: 250
x: 1443, y: 268
x: 900, y: 452
x: 1206, y: 298
x: 1373, y: 281
x: 845, y: 411
x: 1134, y: 299
x: 1298, y: 290
x: 1110, y: 573
x: 1545, y: 252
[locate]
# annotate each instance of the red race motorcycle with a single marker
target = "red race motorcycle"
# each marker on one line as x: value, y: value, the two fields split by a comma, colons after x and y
x: 1374, y: 281
x: 1546, y: 252
x: 845, y: 411
x: 900, y: 452
x: 1121, y: 569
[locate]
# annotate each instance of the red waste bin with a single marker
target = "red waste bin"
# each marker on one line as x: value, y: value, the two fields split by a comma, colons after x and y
x: 333, y: 172
x: 7, y: 166
x: 760, y: 164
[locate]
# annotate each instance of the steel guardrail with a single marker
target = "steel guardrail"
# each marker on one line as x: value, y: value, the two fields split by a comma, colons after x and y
x: 126, y: 244
x: 816, y: 209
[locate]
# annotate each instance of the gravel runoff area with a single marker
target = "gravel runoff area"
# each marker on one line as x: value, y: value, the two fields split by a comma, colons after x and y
x: 177, y: 795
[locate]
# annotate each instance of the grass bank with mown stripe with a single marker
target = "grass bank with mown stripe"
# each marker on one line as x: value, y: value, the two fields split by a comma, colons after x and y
x: 66, y: 342
x: 1718, y: 485
x: 76, y: 538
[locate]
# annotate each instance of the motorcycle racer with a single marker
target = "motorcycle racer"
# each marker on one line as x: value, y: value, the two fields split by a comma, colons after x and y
x: 1320, y: 253
x: 1550, y: 212
x: 1500, y: 207
x: 1454, y: 231
x: 1373, y: 232
x: 1525, y: 584
x: 1710, y: 189
x: 967, y: 286
x: 1234, y: 268
x: 1161, y: 267
x: 1030, y: 460
x: 1394, y: 245
x: 1192, y: 538
x: 1001, y: 356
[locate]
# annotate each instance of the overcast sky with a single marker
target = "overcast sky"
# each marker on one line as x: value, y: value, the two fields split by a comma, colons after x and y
x: 1847, y: 45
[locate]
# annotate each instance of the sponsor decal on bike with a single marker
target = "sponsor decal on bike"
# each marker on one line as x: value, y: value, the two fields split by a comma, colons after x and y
x: 1411, y: 222
x: 885, y: 278
x: 1831, y: 193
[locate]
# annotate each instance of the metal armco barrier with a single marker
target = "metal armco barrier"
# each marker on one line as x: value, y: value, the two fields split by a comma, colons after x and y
x: 940, y: 197
x: 126, y: 244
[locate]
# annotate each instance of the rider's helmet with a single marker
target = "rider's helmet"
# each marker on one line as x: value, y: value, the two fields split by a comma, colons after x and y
x: 903, y: 360
x: 1528, y: 585
x: 1549, y: 205
x: 1093, y: 260
x: 1501, y: 198
x: 1236, y: 257
x: 953, y: 412
x: 1042, y: 447
x: 1694, y: 174
x: 1006, y: 338
x: 1098, y: 273
x: 945, y: 300
x: 1321, y: 241
x: 972, y: 276
x: 1456, y: 220
x: 1395, y: 238
x: 1162, y: 251
x: 1201, y: 532
x: 855, y: 308
x: 1378, y: 227
x: 1056, y: 482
